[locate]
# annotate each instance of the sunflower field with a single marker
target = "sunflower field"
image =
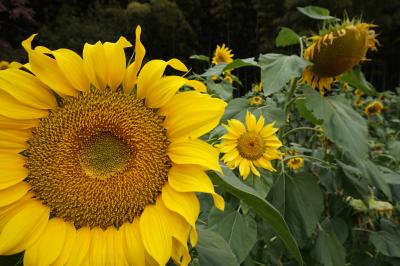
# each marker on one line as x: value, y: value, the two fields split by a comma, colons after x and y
x: 113, y: 157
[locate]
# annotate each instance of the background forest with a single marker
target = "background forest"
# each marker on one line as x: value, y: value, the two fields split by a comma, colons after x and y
x: 181, y: 28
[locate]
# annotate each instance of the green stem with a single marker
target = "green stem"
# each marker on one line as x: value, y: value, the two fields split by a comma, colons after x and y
x: 288, y: 102
x: 301, y: 46
x: 300, y: 128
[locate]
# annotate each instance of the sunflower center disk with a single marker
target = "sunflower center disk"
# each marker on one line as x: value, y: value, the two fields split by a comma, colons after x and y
x: 251, y: 146
x: 99, y: 159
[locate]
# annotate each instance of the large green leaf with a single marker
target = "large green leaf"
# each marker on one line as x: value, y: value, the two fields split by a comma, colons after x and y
x: 200, y: 57
x: 215, y: 70
x: 300, y: 201
x: 238, y: 63
x: 355, y: 184
x: 213, y: 249
x: 387, y: 243
x: 260, y: 206
x: 234, y: 107
x: 316, y: 12
x: 305, y: 113
x: 328, y: 250
x: 341, y: 123
x: 278, y: 69
x: 356, y: 78
x: 239, y: 231
x: 286, y: 37
x: 271, y: 114
x: 222, y: 89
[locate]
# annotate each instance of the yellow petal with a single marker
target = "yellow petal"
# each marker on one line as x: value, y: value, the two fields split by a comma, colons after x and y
x: 27, y: 89
x: 80, y: 248
x: 95, y: 65
x: 14, y: 193
x: 12, y: 108
x: 260, y: 124
x: 116, y: 61
x: 134, y: 249
x: 191, y: 114
x: 133, y: 69
x: 236, y: 126
x: 12, y: 170
x: 49, y: 245
x: 163, y: 90
x: 194, y: 152
x: 250, y: 121
x: 254, y: 169
x: 98, y: 248
x: 180, y: 253
x: 115, y: 250
x: 244, y: 168
x: 70, y: 236
x: 6, y: 122
x: 71, y: 65
x: 24, y: 228
x: 156, y: 238
x: 197, y: 85
x: 46, y: 70
x: 189, y: 178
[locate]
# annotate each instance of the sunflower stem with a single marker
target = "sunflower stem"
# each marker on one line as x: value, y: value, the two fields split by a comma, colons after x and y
x: 288, y: 103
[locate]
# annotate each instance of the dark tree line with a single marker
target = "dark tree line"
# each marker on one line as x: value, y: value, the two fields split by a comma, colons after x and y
x: 181, y: 28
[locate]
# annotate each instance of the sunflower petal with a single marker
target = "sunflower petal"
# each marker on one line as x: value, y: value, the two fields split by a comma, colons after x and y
x: 98, y: 248
x: 14, y: 193
x: 80, y: 248
x: 95, y: 65
x: 250, y: 121
x: 244, y: 168
x: 70, y: 236
x: 188, y: 178
x: 24, y: 228
x: 194, y: 152
x: 156, y: 238
x: 163, y: 90
x: 133, y: 244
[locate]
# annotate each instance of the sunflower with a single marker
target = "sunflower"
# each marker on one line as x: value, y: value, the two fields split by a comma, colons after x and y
x: 257, y: 87
x: 100, y: 161
x: 222, y: 55
x: 295, y: 163
x: 358, y: 92
x: 249, y: 147
x: 345, y: 87
x: 228, y: 77
x: 358, y: 102
x: 256, y: 100
x: 6, y: 65
x: 373, y: 108
x: 337, y: 50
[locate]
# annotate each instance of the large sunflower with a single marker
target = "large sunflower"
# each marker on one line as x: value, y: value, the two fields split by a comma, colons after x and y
x: 250, y: 147
x: 100, y: 162
x: 336, y: 51
x: 222, y: 54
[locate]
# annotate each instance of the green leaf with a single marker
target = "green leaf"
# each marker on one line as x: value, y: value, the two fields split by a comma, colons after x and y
x: 286, y: 37
x: 222, y: 89
x: 394, y: 149
x: 355, y: 184
x: 213, y: 249
x: 356, y: 79
x: 200, y: 57
x: 300, y: 201
x: 238, y: 63
x: 234, y: 107
x: 278, y: 69
x: 387, y: 243
x: 240, y: 232
x: 341, y: 123
x: 390, y: 176
x: 305, y: 113
x: 271, y: 114
x: 215, y: 70
x: 316, y: 12
x: 260, y: 206
x: 328, y: 250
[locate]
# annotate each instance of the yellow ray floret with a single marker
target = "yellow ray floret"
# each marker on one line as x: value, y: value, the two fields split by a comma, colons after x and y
x: 251, y: 146
x: 337, y: 51
x: 100, y: 161
x: 222, y: 55
x: 295, y: 163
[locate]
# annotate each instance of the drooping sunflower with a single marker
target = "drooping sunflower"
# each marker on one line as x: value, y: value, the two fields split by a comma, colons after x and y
x: 222, y: 54
x: 250, y: 146
x: 100, y: 161
x: 295, y: 163
x: 256, y: 100
x: 373, y: 108
x: 336, y: 50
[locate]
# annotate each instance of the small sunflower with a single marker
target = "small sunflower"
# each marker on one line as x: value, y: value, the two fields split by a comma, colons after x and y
x: 107, y: 171
x: 228, y: 77
x: 6, y: 65
x: 373, y: 108
x: 337, y: 50
x: 222, y: 55
x: 256, y: 100
x: 345, y: 87
x: 250, y: 146
x: 358, y: 102
x: 257, y: 87
x: 358, y: 93
x: 295, y: 163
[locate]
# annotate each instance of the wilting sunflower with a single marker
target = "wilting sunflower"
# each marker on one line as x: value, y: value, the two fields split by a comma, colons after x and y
x: 100, y: 162
x: 295, y: 163
x: 358, y: 102
x: 222, y: 55
x: 6, y: 65
x: 373, y: 108
x: 336, y: 50
x: 256, y: 100
x: 250, y: 146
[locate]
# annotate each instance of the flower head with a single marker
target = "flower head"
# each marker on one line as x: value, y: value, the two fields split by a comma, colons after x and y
x: 345, y: 87
x: 358, y: 102
x: 373, y: 108
x: 222, y: 55
x: 250, y: 146
x: 295, y: 163
x: 336, y: 51
x: 358, y: 93
x: 257, y: 87
x: 256, y: 100
x: 106, y: 172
